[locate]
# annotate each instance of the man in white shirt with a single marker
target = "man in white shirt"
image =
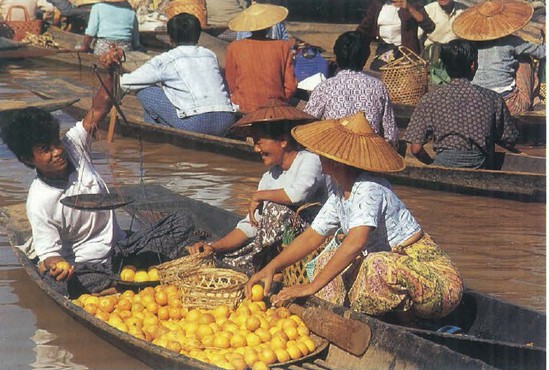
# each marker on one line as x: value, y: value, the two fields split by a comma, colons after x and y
x: 62, y: 236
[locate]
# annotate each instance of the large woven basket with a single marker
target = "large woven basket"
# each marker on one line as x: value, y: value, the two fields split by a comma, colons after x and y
x: 208, y: 288
x: 406, y: 78
x: 17, y: 30
x: 170, y: 272
x: 543, y: 91
x: 194, y: 7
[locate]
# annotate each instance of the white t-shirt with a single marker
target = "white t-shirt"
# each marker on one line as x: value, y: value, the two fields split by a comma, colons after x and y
x: 77, y: 236
x: 372, y: 203
x: 389, y: 25
x: 443, y: 32
x: 303, y: 182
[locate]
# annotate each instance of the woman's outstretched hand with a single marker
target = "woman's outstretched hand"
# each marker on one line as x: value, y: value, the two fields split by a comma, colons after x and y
x: 292, y: 292
x: 265, y: 275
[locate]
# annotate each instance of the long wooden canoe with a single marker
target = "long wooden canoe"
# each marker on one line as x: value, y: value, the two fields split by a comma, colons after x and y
x: 391, y: 346
x: 518, y: 176
x: 49, y: 105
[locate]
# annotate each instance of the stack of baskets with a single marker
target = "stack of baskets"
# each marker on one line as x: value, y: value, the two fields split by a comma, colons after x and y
x: 406, y: 77
x: 194, y: 7
x: 201, y: 284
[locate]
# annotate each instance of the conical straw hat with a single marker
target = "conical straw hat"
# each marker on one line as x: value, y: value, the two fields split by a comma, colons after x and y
x: 274, y: 111
x: 258, y: 17
x: 492, y: 20
x: 352, y: 141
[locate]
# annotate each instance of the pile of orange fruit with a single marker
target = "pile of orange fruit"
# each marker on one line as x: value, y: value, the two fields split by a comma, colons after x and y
x: 130, y: 273
x: 251, y: 336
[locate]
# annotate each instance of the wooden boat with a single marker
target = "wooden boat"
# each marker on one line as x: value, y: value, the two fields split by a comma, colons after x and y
x: 49, y: 105
x: 391, y: 346
x: 520, y: 176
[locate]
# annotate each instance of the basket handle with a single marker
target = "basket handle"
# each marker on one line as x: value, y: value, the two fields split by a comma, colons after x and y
x: 24, y: 9
x: 408, y: 54
x: 301, y: 208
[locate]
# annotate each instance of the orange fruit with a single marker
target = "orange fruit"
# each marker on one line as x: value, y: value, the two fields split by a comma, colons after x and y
x: 291, y: 332
x: 161, y: 297
x: 124, y: 304
x: 257, y: 293
x: 103, y: 316
x: 303, y: 330
x: 148, y: 291
x: 153, y: 274
x: 221, y: 342
x: 253, y: 340
x: 251, y: 357
x: 90, y: 308
x: 141, y: 276
x: 238, y: 340
x: 175, y: 313
x: 283, y: 312
x: 221, y: 312
x: 127, y: 274
x: 106, y: 304
x: 193, y: 315
x: 147, y: 298
x: 239, y: 363
x: 264, y: 335
x: 294, y: 351
x: 121, y: 326
x: 203, y: 330
x: 260, y: 365
x: 152, y: 307
x: 282, y: 355
x: 62, y: 265
x: 278, y: 343
x: 268, y: 356
x: 303, y: 348
x: 206, y: 318
x: 173, y: 346
x: 138, y: 307
x: 311, y: 346
x: 252, y: 323
x: 163, y: 313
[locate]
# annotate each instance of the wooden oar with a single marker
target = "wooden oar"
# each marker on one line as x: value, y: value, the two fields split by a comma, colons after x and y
x: 112, y: 125
x: 350, y: 335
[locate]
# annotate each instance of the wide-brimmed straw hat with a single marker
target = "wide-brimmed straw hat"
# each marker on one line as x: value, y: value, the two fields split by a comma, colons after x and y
x: 272, y: 112
x: 258, y: 17
x: 352, y: 141
x: 492, y: 20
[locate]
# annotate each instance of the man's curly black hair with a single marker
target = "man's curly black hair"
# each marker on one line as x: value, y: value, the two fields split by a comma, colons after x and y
x: 28, y: 128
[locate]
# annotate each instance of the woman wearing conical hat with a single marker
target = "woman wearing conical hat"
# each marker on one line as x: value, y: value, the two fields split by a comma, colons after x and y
x: 504, y: 60
x: 294, y: 178
x: 257, y: 68
x: 386, y: 262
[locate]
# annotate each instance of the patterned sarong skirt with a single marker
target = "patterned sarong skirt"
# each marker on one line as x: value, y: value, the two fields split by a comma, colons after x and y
x: 419, y: 277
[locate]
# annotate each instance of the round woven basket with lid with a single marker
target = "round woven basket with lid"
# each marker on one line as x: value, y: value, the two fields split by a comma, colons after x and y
x: 170, y: 272
x: 208, y: 288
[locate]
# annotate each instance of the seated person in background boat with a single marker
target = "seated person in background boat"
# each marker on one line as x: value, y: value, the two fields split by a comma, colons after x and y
x: 294, y: 178
x: 351, y: 90
x: 64, y: 168
x: 18, y: 14
x: 183, y: 87
x: 257, y: 68
x: 111, y: 22
x: 277, y: 32
x: 504, y: 60
x: 386, y: 262
x: 77, y: 13
x: 392, y: 24
x: 465, y: 120
x: 442, y: 13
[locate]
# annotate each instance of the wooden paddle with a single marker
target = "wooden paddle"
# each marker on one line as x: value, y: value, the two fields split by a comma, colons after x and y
x: 350, y: 335
x: 112, y: 124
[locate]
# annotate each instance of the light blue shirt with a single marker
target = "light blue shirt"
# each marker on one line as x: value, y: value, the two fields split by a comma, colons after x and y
x: 372, y: 203
x: 498, y: 61
x: 303, y: 182
x: 190, y: 78
x: 113, y: 22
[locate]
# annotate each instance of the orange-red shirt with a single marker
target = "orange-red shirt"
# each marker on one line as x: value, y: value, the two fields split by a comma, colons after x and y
x: 257, y: 70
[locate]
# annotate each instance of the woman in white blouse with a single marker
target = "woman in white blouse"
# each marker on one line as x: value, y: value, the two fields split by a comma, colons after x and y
x: 386, y: 262
x: 294, y: 177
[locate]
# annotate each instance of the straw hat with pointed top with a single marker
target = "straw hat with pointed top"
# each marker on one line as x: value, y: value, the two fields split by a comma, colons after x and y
x: 492, y: 20
x: 350, y: 140
x: 258, y: 17
x: 274, y: 111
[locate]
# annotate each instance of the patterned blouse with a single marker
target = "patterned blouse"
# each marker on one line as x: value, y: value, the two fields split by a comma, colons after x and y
x: 461, y: 116
x: 372, y: 203
x: 350, y: 92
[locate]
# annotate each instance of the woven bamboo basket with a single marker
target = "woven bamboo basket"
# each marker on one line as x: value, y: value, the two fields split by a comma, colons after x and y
x: 208, y: 288
x: 169, y: 272
x: 543, y: 91
x: 406, y: 78
x: 194, y: 7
